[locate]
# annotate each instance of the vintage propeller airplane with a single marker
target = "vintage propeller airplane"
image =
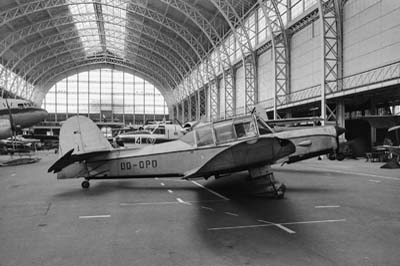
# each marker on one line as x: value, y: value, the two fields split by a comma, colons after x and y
x: 212, y: 149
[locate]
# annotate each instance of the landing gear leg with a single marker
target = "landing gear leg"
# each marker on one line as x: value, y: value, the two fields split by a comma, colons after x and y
x: 264, y: 179
x: 85, y: 184
x: 278, y: 189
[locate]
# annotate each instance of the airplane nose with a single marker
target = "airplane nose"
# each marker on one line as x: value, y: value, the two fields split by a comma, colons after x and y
x: 339, y: 130
x: 284, y: 142
x: 287, y: 147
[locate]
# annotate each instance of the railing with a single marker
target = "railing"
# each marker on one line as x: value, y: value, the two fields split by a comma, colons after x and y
x: 370, y: 77
x: 373, y: 76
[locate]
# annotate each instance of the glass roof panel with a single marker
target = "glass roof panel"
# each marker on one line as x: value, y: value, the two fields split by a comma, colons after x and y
x: 85, y: 18
x: 114, y: 27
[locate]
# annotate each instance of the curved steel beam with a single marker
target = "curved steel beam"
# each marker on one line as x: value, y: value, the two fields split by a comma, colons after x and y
x: 214, y: 38
x: 28, y: 50
x: 133, y: 8
x: 240, y: 33
x: 33, y: 7
x: 41, y: 27
x: 280, y: 50
x: 62, y: 60
x: 33, y: 64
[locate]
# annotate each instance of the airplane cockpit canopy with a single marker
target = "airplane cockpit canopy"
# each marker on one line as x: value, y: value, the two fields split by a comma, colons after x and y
x: 156, y: 129
x: 226, y: 131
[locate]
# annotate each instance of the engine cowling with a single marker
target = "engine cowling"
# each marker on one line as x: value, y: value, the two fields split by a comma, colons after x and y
x: 5, y: 128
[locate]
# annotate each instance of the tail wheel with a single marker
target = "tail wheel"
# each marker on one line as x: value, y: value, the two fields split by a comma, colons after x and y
x: 332, y: 156
x: 340, y: 156
x: 85, y: 184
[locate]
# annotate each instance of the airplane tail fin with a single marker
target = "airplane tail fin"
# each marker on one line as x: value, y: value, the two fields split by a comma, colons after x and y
x: 82, y: 134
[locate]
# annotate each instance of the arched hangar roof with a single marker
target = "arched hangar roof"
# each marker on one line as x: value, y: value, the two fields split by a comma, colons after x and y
x: 160, y: 40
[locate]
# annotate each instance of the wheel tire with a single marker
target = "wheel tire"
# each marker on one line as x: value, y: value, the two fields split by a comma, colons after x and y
x: 331, y: 156
x: 282, y: 190
x: 340, y: 156
x: 85, y: 184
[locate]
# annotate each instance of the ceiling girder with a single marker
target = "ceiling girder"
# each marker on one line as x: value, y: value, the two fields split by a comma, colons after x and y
x: 37, y: 6
x: 82, y: 61
x: 60, y: 61
x: 175, y: 64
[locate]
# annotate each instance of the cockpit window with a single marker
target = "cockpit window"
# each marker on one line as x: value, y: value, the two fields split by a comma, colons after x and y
x: 159, y: 130
x: 224, y: 132
x: 188, y: 138
x: 204, y: 136
x: 245, y: 128
x: 263, y: 128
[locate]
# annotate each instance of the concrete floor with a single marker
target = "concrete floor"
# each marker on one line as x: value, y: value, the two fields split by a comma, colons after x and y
x: 334, y: 213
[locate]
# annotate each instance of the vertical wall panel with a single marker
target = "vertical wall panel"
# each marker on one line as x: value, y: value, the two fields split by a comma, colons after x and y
x: 371, y: 34
x: 265, y: 76
x: 221, y: 93
x: 305, y: 57
x: 240, y: 90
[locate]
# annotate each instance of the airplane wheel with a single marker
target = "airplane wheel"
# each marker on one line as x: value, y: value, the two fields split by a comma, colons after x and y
x: 280, y: 192
x: 340, y: 156
x: 331, y: 156
x: 85, y: 184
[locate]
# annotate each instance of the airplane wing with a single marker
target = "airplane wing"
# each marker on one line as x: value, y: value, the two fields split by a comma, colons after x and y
x: 244, y: 155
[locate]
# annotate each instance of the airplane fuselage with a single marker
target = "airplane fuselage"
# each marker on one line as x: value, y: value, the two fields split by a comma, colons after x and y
x: 181, y: 160
x: 24, y: 114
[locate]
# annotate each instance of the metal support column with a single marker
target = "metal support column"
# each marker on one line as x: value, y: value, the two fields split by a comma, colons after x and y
x: 330, y: 57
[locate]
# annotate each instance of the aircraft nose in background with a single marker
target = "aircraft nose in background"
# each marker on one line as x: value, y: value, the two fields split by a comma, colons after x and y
x: 39, y: 115
x: 43, y: 114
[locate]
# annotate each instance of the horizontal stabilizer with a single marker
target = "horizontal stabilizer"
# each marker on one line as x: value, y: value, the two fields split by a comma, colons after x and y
x: 69, y: 158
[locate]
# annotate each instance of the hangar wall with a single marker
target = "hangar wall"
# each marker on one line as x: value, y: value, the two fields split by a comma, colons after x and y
x: 371, y: 35
x: 221, y: 94
x: 265, y: 76
x: 240, y: 93
x: 371, y: 41
x: 305, y: 57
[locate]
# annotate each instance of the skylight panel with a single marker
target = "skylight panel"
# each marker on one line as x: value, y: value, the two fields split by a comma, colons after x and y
x: 85, y: 18
x: 115, y: 26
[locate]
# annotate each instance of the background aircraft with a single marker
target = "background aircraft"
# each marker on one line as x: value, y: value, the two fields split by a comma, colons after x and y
x: 151, y: 134
x: 16, y: 114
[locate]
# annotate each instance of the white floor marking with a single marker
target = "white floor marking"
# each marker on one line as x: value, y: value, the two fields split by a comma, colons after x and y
x: 272, y: 224
x: 209, y: 190
x: 207, y: 208
x: 327, y: 206
x: 156, y: 178
x: 13, y: 174
x: 170, y: 191
x: 375, y: 181
x: 184, y: 202
x: 284, y: 228
x: 165, y: 202
x: 357, y: 173
x: 95, y: 216
x: 162, y: 184
x: 147, y: 203
x: 232, y: 214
